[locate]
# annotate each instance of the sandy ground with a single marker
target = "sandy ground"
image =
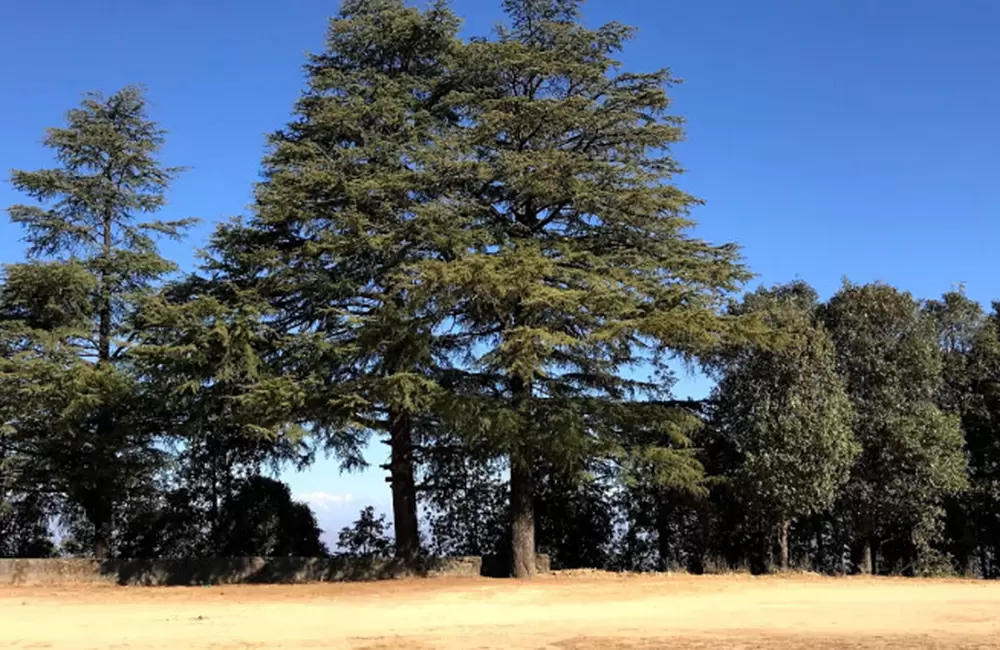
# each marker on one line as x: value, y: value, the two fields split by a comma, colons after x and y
x: 559, y: 612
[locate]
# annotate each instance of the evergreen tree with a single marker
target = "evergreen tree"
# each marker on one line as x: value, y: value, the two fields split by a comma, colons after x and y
x: 912, y: 454
x: 785, y: 412
x: 226, y: 391
x: 41, y: 305
x: 576, y: 265
x: 366, y: 537
x: 661, y: 479
x: 575, y: 518
x: 92, y: 228
x: 347, y: 203
x: 465, y: 498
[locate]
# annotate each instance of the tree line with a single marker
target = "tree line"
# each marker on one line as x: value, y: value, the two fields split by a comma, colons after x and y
x: 475, y: 251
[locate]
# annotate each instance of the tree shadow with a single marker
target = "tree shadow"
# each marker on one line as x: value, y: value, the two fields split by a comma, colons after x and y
x: 193, y: 572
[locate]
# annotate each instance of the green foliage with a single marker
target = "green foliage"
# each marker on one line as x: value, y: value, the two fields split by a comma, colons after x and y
x: 366, y: 537
x: 90, y: 207
x: 211, y: 366
x: 348, y: 201
x: 912, y: 453
x: 24, y: 524
x: 581, y: 264
x: 785, y: 413
x: 572, y: 262
x: 211, y: 377
x: 345, y: 202
x: 262, y: 519
x: 465, y: 499
x: 66, y: 317
x: 970, y: 342
x: 575, y: 518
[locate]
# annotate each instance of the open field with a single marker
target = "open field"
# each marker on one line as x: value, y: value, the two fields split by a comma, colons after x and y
x: 559, y: 612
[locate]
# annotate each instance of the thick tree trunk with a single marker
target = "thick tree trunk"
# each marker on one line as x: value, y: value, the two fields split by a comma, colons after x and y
x: 102, y: 538
x: 99, y: 515
x: 783, y: 545
x: 404, y: 488
x: 522, y: 518
x: 522, y: 494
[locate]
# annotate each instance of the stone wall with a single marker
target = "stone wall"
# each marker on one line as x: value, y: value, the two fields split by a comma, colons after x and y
x: 206, y: 571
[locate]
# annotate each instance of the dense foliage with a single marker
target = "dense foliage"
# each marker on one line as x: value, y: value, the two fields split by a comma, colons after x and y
x: 475, y: 251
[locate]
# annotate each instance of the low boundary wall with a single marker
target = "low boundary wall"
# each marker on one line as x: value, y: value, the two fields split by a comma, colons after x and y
x: 218, y: 571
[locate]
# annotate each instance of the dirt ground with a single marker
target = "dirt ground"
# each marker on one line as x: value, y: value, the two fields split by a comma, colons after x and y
x: 558, y: 612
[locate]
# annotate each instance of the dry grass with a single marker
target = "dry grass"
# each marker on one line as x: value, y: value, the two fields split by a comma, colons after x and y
x: 559, y: 613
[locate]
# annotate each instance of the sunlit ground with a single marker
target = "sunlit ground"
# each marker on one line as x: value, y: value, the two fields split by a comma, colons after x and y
x: 569, y: 612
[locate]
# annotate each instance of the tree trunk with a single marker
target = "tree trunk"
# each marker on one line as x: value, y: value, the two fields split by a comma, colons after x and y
x: 404, y: 488
x: 105, y: 315
x: 969, y: 549
x: 522, y: 517
x: 522, y: 494
x: 101, y: 519
x: 103, y: 493
x: 102, y: 540
x: 663, y: 536
x: 820, y: 550
x: 867, y: 558
x: 783, y: 545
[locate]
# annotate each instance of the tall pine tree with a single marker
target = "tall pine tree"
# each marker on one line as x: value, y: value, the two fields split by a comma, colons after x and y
x: 92, y: 227
x: 577, y: 266
x: 347, y: 202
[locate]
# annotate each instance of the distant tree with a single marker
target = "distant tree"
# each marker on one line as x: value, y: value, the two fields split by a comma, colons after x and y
x: 658, y: 477
x: 100, y: 256
x: 464, y: 494
x: 466, y: 501
x: 261, y: 518
x: 24, y: 525
x: 258, y: 517
x: 912, y: 453
x: 785, y: 412
x: 366, y: 537
x: 575, y: 518
x: 958, y: 321
x: 170, y: 524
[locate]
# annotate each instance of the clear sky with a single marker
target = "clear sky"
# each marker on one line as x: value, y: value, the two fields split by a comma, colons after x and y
x: 833, y: 138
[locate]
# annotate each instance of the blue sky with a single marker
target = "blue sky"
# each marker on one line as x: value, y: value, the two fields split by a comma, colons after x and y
x: 842, y: 138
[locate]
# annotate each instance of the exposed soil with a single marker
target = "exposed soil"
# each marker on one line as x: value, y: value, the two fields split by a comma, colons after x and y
x: 561, y: 612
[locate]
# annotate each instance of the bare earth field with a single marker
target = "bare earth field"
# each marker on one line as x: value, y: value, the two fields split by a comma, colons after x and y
x: 558, y: 612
